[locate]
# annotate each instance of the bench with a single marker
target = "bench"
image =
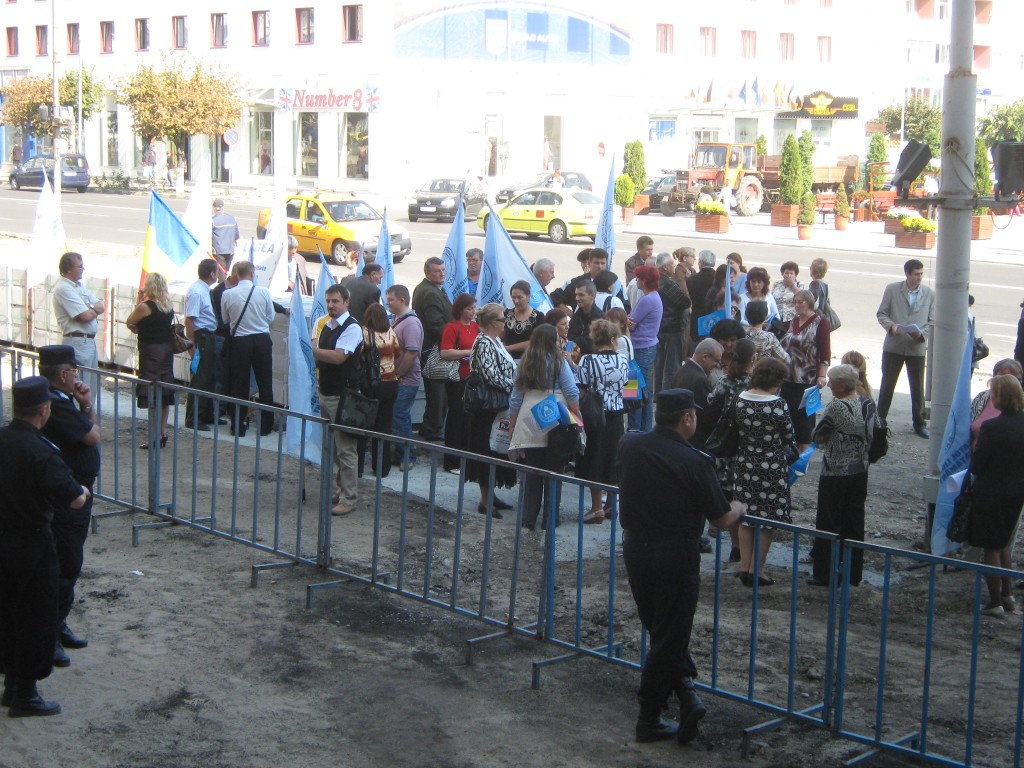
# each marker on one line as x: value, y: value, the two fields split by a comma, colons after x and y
x: 826, y: 203
x: 881, y: 201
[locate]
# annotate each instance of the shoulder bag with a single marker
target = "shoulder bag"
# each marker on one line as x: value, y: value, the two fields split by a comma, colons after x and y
x: 830, y: 314
x: 879, y: 445
x: 179, y: 341
x: 481, y: 396
x: 565, y: 440
x: 960, y: 523
x: 592, y: 403
x: 724, y: 440
x: 369, y: 371
x: 436, y: 368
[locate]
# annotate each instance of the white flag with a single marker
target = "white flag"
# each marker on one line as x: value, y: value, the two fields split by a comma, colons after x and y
x: 48, y: 237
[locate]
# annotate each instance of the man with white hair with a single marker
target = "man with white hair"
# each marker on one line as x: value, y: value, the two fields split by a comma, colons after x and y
x: 544, y: 271
x: 674, y: 302
x: 698, y: 286
x: 694, y: 376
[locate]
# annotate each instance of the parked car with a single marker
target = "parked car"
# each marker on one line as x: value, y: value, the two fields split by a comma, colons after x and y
x: 337, y: 222
x: 74, y: 172
x: 570, y: 180
x: 558, y: 213
x: 439, y: 198
x: 657, y: 188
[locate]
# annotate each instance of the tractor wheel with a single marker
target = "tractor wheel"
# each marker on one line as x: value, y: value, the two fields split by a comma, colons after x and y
x: 749, y: 196
x: 668, y: 208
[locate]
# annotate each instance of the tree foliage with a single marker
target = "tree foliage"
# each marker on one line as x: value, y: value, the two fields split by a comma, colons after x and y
x: 790, y: 172
x: 1003, y: 123
x: 982, y: 175
x: 633, y: 164
x: 923, y: 122
x: 762, y: 145
x: 877, y: 153
x: 806, y: 146
x: 180, y: 100
x: 24, y: 96
x: 625, y: 190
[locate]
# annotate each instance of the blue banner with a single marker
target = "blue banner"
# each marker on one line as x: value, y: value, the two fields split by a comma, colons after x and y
x: 503, y: 266
x: 706, y: 323
x: 456, y: 280
x: 606, y: 226
x: 303, y: 397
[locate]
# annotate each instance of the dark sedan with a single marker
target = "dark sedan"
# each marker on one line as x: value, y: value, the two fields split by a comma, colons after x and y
x: 570, y: 180
x: 439, y: 199
x: 74, y: 172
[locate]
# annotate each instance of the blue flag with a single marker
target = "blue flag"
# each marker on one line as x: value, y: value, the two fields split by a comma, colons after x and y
x: 503, y: 266
x: 707, y: 322
x: 955, y: 454
x: 606, y: 226
x: 456, y: 280
x: 303, y: 397
x: 319, y: 308
x: 384, y: 257
x: 728, y: 291
x: 743, y: 92
x: 757, y: 94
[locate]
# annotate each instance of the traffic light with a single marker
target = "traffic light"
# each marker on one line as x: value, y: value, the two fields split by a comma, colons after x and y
x: 1008, y: 166
x: 914, y: 159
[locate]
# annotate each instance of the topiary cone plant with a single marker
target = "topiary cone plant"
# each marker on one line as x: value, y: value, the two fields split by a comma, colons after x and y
x: 625, y: 192
x: 805, y: 219
x: 842, y: 217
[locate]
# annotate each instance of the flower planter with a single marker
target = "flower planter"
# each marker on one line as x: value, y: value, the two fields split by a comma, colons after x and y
x: 842, y: 222
x: 981, y: 227
x: 922, y: 241
x: 893, y: 226
x: 784, y: 215
x: 859, y: 214
x: 804, y: 231
x: 712, y: 222
x: 642, y: 204
x: 627, y: 214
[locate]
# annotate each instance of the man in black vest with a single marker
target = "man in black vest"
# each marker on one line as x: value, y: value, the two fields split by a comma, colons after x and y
x: 338, y: 368
x: 71, y: 427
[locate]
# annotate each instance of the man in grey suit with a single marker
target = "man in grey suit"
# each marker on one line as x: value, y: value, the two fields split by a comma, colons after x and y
x: 906, y: 315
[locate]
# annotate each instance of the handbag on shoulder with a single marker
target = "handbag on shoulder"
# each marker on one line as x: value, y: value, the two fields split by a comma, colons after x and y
x: 960, y: 524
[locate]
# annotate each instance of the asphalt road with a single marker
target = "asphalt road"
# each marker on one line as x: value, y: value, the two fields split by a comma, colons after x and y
x: 856, y: 278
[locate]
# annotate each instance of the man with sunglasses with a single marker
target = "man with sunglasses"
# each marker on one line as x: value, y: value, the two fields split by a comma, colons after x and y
x: 74, y: 429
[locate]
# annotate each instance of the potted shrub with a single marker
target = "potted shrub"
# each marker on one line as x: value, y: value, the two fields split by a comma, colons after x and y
x: 790, y: 185
x: 918, y: 232
x: 981, y: 221
x: 842, y: 214
x: 625, y: 192
x: 805, y: 217
x: 633, y: 166
x: 711, y: 216
x: 859, y: 209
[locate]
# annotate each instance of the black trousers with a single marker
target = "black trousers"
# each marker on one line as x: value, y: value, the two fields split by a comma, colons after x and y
x: 455, y: 422
x: 435, y: 409
x: 385, y: 396
x: 892, y: 364
x: 251, y: 353
x: 207, y: 376
x: 536, y: 488
x: 28, y: 602
x: 70, y: 530
x: 664, y: 576
x: 841, y: 501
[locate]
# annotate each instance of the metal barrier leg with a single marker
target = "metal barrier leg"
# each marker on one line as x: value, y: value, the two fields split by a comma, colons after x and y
x: 749, y: 733
x: 258, y: 569
x: 910, y: 738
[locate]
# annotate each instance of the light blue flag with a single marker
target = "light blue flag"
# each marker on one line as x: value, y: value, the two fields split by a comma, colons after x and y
x: 319, y: 295
x: 384, y: 257
x: 456, y: 280
x: 606, y: 226
x: 360, y: 261
x: 955, y: 454
x: 743, y: 92
x: 503, y: 266
x: 707, y: 322
x: 303, y: 396
x: 728, y: 291
x: 757, y: 94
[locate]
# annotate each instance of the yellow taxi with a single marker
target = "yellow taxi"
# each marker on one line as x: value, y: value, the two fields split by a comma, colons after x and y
x: 337, y: 222
x: 558, y: 213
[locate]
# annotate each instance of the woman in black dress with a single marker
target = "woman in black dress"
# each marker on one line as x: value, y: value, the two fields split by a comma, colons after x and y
x: 520, y: 320
x: 151, y: 322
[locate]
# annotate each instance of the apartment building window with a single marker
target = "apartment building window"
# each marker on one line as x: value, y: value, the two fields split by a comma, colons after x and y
x: 42, y: 40
x: 12, y: 41
x: 304, y: 27
x: 943, y: 9
x: 748, y: 44
x: 942, y: 53
x: 179, y: 32
x: 261, y: 27
x: 786, y: 46
x: 825, y: 50
x: 982, y: 56
x: 106, y: 37
x: 142, y: 34
x: 73, y: 39
x: 665, y: 38
x: 789, y: 2
x: 218, y: 30
x: 707, y: 41
x: 826, y: 3
x: 352, y: 19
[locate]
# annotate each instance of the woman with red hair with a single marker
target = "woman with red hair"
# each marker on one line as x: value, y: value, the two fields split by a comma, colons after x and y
x: 644, y: 323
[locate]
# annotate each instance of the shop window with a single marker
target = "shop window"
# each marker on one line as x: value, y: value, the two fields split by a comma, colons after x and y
x: 536, y: 31
x: 142, y: 34
x: 261, y: 142
x: 218, y: 30
x: 352, y: 19
x: 261, y: 27
x: 664, y: 40
x: 307, y: 143
x: 179, y: 32
x: 73, y: 39
x: 356, y: 145
x: 106, y: 37
x: 42, y: 40
x: 304, y: 26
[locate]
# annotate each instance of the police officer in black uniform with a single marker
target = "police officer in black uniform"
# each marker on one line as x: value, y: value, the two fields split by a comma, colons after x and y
x: 71, y: 427
x: 668, y: 489
x: 35, y: 482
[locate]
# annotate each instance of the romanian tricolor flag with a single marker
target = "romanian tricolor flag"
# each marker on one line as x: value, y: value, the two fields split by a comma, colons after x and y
x: 169, y: 243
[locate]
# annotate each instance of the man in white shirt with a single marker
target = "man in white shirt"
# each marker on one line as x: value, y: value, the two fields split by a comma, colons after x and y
x: 248, y: 311
x: 78, y: 313
x: 337, y: 367
x: 201, y: 327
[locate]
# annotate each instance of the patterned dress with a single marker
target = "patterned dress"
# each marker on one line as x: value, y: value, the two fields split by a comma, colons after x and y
x: 517, y: 330
x: 721, y: 399
x: 760, y: 471
x: 604, y: 373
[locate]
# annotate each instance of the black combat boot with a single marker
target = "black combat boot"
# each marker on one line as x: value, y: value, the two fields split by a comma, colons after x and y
x: 69, y: 639
x: 60, y: 659
x: 650, y: 726
x: 26, y: 701
x: 8, y: 691
x: 691, y: 711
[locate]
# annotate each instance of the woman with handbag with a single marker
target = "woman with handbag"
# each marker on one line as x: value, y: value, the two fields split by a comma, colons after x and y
x: 601, y: 376
x: 843, y: 435
x: 520, y: 320
x: 998, y: 488
x: 492, y: 371
x: 543, y: 372
x: 765, y: 450
x: 810, y: 352
x: 380, y: 348
x: 151, y: 322
x: 456, y: 342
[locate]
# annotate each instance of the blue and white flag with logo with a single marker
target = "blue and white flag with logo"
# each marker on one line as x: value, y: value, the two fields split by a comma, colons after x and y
x: 384, y: 257
x: 503, y: 266
x: 606, y: 226
x: 302, y: 436
x: 456, y: 280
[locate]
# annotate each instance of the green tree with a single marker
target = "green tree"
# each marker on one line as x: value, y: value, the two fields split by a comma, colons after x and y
x: 625, y: 190
x: 633, y: 164
x: 923, y: 122
x: 790, y: 172
x: 982, y: 175
x: 806, y: 146
x: 808, y: 207
x: 877, y: 153
x: 762, y: 145
x: 1003, y: 123
x: 23, y: 97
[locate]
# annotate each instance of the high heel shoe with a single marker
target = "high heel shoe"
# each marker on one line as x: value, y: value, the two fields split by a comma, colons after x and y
x: 163, y: 443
